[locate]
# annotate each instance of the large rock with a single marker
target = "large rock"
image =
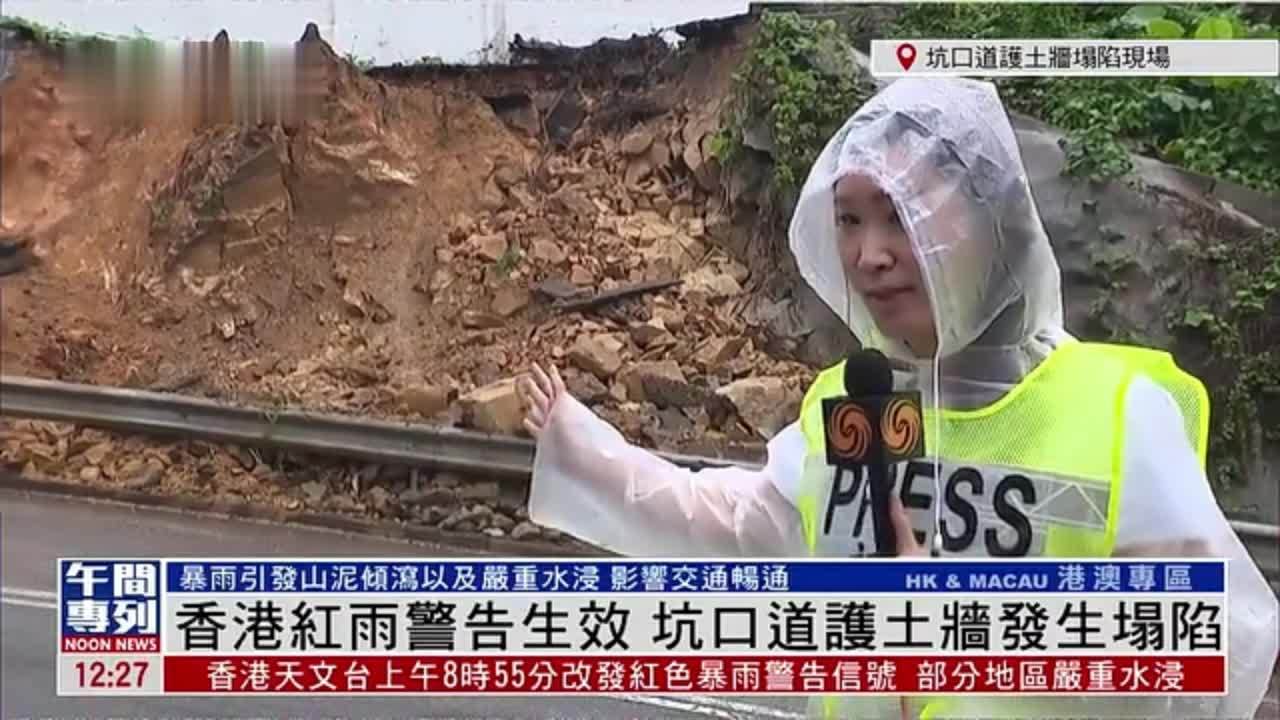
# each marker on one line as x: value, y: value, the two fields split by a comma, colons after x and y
x: 524, y: 199
x: 556, y: 288
x: 637, y: 170
x: 492, y: 197
x: 672, y: 256
x: 674, y: 420
x: 426, y: 400
x: 662, y: 383
x: 672, y: 318
x: 651, y: 334
x: 683, y: 212
x: 460, y: 226
x: 488, y: 247
x: 547, y: 251
x: 597, y: 354
x: 660, y: 154
x: 98, y: 454
x: 585, y: 387
x: 574, y: 201
x: 594, y: 179
x: 441, y: 278
x: 662, y: 204
x: 500, y: 522
x: 764, y: 403
x: 355, y: 164
x: 314, y: 491
x: 510, y: 299
x: 381, y: 501
x: 506, y: 173
x: 636, y: 142
x: 718, y: 226
x: 717, y: 352
x: 477, y: 320
x: 145, y: 477
x: 227, y: 196
x: 495, y: 408
x: 655, y: 228
x: 525, y: 531
x: 708, y: 284
x: 735, y: 270
x: 697, y: 136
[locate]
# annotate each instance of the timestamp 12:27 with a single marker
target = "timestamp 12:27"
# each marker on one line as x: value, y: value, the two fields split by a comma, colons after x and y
x: 122, y: 674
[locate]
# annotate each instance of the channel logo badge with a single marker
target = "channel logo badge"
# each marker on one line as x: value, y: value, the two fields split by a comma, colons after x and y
x: 109, y: 605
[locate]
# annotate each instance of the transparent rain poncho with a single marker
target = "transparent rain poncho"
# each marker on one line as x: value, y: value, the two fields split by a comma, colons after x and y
x: 945, y: 153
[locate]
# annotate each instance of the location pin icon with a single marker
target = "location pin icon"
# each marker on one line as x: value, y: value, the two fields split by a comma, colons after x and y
x: 906, y: 55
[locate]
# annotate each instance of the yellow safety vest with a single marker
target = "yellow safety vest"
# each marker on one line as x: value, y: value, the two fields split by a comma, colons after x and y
x: 1055, y: 441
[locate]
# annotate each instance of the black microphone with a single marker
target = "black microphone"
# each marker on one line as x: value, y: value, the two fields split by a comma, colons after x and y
x: 873, y: 427
x: 867, y: 372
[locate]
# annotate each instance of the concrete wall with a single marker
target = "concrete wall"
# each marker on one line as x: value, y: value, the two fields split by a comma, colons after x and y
x: 385, y: 31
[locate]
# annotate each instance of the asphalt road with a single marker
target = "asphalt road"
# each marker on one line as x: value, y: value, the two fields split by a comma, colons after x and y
x: 36, y: 530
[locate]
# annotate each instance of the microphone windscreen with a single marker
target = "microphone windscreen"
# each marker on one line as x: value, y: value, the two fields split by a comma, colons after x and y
x: 867, y: 372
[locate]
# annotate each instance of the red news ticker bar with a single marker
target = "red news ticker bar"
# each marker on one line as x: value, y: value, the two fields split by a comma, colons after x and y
x: 475, y: 674
x: 113, y: 644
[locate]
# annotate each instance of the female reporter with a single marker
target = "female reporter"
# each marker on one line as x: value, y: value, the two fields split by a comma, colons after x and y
x: 917, y: 226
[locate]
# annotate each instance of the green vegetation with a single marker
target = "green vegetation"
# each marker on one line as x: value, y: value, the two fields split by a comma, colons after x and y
x: 799, y: 80
x: 42, y: 34
x: 795, y: 85
x: 60, y: 37
x: 1241, y: 327
x: 1224, y: 127
x: 508, y: 262
x: 54, y: 38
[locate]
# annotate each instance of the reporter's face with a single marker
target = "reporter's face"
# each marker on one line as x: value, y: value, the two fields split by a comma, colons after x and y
x: 875, y: 251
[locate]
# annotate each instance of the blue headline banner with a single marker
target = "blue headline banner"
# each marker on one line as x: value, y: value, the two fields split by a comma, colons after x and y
x: 116, y: 597
x: 663, y: 576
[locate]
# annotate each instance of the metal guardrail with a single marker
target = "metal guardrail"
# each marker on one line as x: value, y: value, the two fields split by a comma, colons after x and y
x: 381, y: 441
x: 343, y: 436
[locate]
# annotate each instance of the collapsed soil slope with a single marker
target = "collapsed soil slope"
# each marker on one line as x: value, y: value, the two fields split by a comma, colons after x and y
x: 392, y: 253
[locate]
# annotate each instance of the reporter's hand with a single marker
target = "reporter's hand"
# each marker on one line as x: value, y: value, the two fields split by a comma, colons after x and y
x: 539, y: 392
x: 906, y: 537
